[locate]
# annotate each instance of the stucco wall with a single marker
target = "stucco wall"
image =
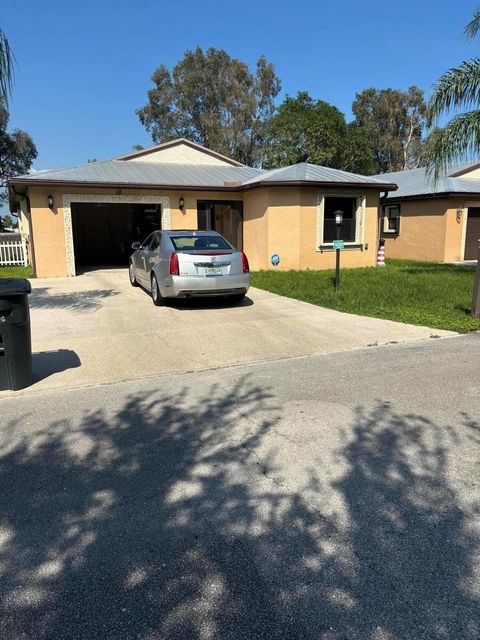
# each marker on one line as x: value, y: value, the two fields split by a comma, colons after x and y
x: 283, y: 220
x: 255, y: 227
x: 276, y: 220
x: 47, y: 228
x: 429, y: 231
x: 182, y: 154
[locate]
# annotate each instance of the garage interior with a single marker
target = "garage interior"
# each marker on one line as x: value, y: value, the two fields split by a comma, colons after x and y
x: 103, y: 232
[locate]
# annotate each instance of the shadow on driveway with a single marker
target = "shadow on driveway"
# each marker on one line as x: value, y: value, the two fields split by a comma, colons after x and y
x: 41, y: 298
x: 46, y: 363
x: 160, y: 521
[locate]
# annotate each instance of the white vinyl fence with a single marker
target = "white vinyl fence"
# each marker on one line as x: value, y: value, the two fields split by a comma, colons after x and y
x: 13, y: 250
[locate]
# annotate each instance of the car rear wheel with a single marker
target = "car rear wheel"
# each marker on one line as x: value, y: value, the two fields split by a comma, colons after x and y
x: 238, y: 297
x: 131, y: 275
x: 158, y: 301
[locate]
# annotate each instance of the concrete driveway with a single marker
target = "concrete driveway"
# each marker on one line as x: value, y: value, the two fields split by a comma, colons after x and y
x: 97, y: 329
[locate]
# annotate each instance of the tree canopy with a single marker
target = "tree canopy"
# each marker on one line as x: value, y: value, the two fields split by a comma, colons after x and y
x: 458, y: 89
x: 307, y: 130
x: 215, y: 100
x: 7, y: 222
x: 393, y: 121
x: 17, y: 152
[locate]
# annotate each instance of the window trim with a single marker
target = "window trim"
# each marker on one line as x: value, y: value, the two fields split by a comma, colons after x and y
x: 385, y: 229
x: 359, y: 218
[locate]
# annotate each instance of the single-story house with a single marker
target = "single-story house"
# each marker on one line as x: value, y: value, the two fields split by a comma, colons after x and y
x: 90, y: 214
x: 433, y: 220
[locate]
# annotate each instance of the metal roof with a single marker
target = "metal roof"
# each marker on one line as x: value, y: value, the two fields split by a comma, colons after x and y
x: 417, y: 182
x: 305, y: 172
x: 122, y: 173
x: 145, y: 173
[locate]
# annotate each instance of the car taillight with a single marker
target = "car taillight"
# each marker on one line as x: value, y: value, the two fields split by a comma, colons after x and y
x: 174, y: 268
x: 245, y: 265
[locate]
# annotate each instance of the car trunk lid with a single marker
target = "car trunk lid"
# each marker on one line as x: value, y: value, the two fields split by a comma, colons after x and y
x: 209, y: 263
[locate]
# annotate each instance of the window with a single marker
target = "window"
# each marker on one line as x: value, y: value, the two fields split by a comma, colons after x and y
x: 155, y: 243
x: 199, y: 243
x: 348, y: 229
x: 391, y: 219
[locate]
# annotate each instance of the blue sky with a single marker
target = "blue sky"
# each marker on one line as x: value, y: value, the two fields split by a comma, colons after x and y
x: 84, y: 67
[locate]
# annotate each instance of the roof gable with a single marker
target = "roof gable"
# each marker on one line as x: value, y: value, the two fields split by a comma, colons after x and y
x: 180, y: 151
x: 470, y: 172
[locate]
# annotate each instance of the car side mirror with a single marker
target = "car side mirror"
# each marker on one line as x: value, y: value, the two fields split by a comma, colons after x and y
x: 136, y: 245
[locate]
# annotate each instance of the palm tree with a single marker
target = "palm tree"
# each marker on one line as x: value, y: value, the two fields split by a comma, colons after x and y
x: 6, y: 68
x: 458, y: 88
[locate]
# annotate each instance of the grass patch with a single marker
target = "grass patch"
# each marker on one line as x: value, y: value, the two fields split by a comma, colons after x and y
x: 422, y: 293
x: 16, y: 272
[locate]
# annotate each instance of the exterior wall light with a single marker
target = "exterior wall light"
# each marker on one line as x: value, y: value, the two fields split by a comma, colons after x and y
x: 459, y: 214
x: 50, y: 202
x: 181, y: 203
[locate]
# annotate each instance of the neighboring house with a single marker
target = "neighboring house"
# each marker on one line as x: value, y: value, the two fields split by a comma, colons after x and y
x: 424, y: 220
x: 90, y: 214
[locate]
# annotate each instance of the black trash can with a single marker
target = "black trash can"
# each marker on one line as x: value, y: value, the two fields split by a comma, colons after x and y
x: 15, y: 336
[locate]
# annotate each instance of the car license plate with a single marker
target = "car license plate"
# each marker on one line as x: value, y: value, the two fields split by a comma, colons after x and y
x: 213, y: 271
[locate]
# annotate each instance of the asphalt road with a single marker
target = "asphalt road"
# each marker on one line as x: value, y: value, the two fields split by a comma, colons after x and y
x: 332, y: 497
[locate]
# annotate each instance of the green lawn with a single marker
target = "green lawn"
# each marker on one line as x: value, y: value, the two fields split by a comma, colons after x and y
x: 16, y: 272
x: 423, y: 293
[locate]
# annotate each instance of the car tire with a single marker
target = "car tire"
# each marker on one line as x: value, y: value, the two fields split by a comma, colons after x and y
x: 237, y: 298
x: 158, y: 301
x: 131, y: 275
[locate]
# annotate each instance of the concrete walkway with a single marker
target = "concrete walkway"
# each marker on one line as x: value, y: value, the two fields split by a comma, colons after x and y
x: 97, y: 329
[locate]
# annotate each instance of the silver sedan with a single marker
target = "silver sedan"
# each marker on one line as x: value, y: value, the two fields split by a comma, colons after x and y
x: 187, y: 264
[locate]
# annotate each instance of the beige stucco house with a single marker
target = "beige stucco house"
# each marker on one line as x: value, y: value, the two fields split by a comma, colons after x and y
x: 433, y: 220
x: 90, y: 214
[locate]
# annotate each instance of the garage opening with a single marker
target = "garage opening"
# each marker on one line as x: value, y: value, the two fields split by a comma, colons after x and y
x: 103, y: 232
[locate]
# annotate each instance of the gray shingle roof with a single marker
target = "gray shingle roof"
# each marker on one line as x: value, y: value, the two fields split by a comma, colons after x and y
x: 416, y: 182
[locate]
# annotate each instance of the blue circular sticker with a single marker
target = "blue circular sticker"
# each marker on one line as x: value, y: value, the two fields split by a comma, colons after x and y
x: 275, y: 259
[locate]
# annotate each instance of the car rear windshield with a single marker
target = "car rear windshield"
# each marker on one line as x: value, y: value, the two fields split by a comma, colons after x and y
x: 199, y: 243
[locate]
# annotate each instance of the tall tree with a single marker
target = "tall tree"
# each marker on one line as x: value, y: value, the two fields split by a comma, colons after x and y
x: 393, y: 121
x: 17, y: 152
x: 212, y: 99
x: 458, y: 89
x: 308, y: 130
x: 6, y: 68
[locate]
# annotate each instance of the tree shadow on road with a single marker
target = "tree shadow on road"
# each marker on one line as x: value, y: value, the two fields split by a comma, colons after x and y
x: 42, y: 298
x: 171, y: 518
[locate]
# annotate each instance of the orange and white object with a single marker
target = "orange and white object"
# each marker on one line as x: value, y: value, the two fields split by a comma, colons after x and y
x: 381, y: 254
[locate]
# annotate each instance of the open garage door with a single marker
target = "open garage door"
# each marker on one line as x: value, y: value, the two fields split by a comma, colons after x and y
x: 103, y: 232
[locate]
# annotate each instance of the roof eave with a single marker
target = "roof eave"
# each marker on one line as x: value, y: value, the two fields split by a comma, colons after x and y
x: 229, y: 187
x: 118, y: 185
x: 439, y: 194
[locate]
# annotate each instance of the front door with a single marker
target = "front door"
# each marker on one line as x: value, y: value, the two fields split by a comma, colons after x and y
x: 472, y: 235
x: 223, y: 216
